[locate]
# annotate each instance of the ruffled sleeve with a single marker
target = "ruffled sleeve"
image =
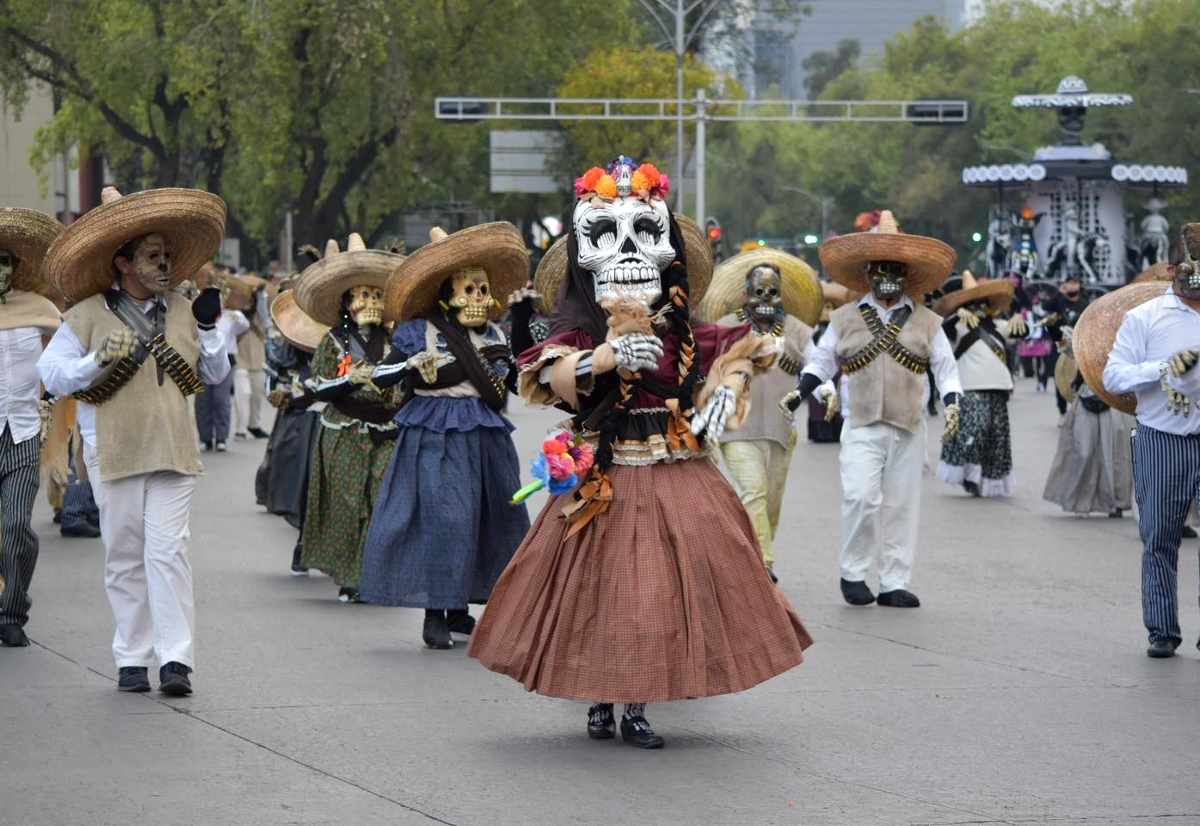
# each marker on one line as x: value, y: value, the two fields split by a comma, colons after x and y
x: 562, y: 345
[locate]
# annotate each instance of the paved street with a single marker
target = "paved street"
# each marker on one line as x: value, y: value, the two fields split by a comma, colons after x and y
x: 1019, y: 693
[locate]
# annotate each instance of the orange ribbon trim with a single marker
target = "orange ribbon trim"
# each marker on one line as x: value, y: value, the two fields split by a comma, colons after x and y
x: 344, y: 365
x: 590, y: 500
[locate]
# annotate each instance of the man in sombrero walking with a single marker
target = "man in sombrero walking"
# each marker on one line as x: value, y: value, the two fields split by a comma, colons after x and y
x: 885, y: 343
x: 132, y: 351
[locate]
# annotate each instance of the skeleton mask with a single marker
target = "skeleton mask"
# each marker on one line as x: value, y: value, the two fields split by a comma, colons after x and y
x: 764, y: 297
x: 150, y: 266
x: 8, y: 264
x: 887, y: 279
x: 366, y: 305
x: 626, y: 245
x: 471, y: 297
x: 1187, y: 272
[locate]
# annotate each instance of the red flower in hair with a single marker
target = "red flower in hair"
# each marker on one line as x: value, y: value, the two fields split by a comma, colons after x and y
x: 587, y: 182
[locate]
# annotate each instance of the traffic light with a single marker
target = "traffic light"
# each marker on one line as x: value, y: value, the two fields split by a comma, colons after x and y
x: 712, y: 229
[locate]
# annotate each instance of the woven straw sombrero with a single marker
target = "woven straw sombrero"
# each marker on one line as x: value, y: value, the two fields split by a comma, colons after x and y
x: 553, y: 267
x: 837, y: 295
x: 1159, y: 272
x: 929, y: 260
x: 802, y: 297
x: 322, y: 284
x: 240, y: 295
x: 998, y: 292
x: 28, y: 234
x: 1096, y: 332
x: 497, y: 248
x: 192, y: 221
x: 1065, y: 371
x: 298, y: 328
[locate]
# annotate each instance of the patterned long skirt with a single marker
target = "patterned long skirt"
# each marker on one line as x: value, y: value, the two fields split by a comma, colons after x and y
x: 981, y: 452
x: 343, y: 482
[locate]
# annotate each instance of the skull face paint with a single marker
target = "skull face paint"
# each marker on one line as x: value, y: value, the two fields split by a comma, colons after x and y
x: 471, y: 297
x: 1187, y: 279
x: 887, y: 279
x: 764, y: 297
x: 626, y: 245
x: 366, y: 305
x: 8, y: 265
x: 150, y: 267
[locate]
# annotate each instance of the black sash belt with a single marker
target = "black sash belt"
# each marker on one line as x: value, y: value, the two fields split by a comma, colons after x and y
x: 987, y: 333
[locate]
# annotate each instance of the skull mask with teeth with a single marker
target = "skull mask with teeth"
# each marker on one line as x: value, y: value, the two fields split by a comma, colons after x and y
x: 625, y: 244
x: 1187, y: 272
x: 471, y: 297
x: 887, y: 280
x: 764, y: 297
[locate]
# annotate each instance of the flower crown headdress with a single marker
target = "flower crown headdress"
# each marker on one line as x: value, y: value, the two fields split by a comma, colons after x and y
x: 623, y: 178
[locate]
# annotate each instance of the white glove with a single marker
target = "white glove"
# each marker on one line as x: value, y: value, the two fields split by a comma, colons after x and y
x: 636, y: 352
x: 952, y: 422
x: 716, y: 413
x: 833, y: 402
x: 1017, y: 328
x: 1183, y: 361
x: 968, y: 318
x: 116, y: 345
x: 787, y: 407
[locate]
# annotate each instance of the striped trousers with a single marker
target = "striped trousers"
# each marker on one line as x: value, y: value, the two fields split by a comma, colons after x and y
x: 19, y: 479
x: 1166, y: 479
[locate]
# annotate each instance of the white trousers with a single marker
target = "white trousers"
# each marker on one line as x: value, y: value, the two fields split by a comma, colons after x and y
x: 881, y: 502
x: 147, y: 574
x: 249, y: 393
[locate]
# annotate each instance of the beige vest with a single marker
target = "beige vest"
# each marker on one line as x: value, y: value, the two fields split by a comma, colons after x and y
x: 145, y: 427
x: 251, y: 350
x: 885, y: 391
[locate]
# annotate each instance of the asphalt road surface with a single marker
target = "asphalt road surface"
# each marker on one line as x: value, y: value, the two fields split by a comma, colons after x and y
x: 1019, y: 692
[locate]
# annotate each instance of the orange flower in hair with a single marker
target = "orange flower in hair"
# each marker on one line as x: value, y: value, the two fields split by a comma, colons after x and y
x: 641, y: 184
x: 606, y: 187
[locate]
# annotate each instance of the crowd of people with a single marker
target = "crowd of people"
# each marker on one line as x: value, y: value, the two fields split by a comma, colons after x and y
x: 649, y: 575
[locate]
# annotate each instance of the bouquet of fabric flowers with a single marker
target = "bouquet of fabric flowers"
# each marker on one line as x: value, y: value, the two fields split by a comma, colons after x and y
x: 563, y: 463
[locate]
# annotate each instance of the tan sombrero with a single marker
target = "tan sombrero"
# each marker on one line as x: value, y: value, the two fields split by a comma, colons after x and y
x: 300, y: 329
x: 998, y: 292
x: 802, y: 296
x: 929, y: 260
x: 1161, y: 271
x: 1065, y: 371
x: 322, y: 284
x: 1096, y: 331
x: 192, y: 221
x: 240, y: 293
x: 552, y: 269
x: 28, y: 234
x: 497, y: 248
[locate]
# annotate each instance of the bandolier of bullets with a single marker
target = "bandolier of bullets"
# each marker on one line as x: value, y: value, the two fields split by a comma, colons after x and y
x: 887, y: 340
x: 164, y: 354
x: 789, y: 365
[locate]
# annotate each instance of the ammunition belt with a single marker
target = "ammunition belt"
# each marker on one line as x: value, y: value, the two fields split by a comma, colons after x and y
x: 789, y: 366
x: 887, y: 340
x: 164, y: 354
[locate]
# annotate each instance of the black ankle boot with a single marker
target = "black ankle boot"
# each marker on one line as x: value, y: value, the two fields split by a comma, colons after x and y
x: 297, y: 568
x: 636, y: 731
x: 460, y: 621
x: 436, y: 633
x: 601, y: 725
x: 856, y: 593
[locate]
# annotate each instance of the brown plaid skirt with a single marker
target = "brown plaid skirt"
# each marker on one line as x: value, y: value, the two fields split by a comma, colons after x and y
x: 664, y: 597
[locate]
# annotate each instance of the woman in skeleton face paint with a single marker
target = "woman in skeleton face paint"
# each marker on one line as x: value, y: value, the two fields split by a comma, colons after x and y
x: 645, y: 583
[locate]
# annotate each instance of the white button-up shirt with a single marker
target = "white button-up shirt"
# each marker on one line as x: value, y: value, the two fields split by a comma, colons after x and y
x: 823, y: 361
x: 67, y: 367
x: 1149, y: 335
x: 20, y: 392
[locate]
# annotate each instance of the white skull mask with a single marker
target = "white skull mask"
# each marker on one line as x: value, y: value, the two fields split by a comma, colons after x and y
x: 626, y: 245
x: 472, y: 296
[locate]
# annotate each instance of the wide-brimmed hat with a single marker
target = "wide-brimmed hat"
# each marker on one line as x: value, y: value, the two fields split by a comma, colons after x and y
x: 324, y: 282
x: 998, y: 292
x: 929, y: 260
x: 1161, y: 271
x: 837, y: 295
x: 1096, y: 331
x: 802, y: 297
x: 497, y: 248
x: 552, y: 269
x: 239, y: 293
x: 1065, y: 371
x: 299, y: 328
x: 80, y: 262
x: 28, y: 234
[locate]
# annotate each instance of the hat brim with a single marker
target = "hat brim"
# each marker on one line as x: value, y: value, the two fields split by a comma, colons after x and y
x: 1096, y: 332
x: 80, y: 262
x: 300, y: 329
x: 497, y: 248
x: 321, y: 286
x: 997, y: 292
x: 1065, y: 371
x: 929, y: 260
x: 802, y: 298
x: 1159, y: 272
x: 552, y: 269
x: 29, y: 234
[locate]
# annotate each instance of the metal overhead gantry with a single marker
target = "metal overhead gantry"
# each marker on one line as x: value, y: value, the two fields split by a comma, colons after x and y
x: 701, y: 111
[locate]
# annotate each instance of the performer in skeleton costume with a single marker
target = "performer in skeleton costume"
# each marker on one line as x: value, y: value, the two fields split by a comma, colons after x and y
x: 27, y: 320
x: 885, y: 343
x: 979, y: 456
x: 344, y: 290
x: 132, y: 351
x: 777, y: 295
x: 646, y: 583
x: 444, y: 528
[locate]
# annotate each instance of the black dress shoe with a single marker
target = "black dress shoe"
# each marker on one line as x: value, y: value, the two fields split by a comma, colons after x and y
x: 460, y: 621
x: 1189, y: 532
x: 258, y: 433
x: 856, y: 593
x: 81, y: 529
x: 133, y: 678
x: 173, y: 680
x: 297, y: 568
x: 13, y: 636
x: 435, y: 631
x: 601, y: 725
x: 899, y: 599
x: 348, y: 595
x: 1161, y: 649
x: 57, y: 516
x: 637, y: 732
x: 971, y: 488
